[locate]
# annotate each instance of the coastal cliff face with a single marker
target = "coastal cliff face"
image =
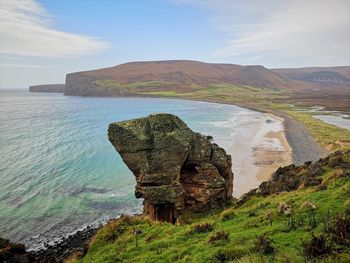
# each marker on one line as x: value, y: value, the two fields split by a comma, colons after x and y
x: 55, y: 88
x: 80, y: 84
x: 175, y: 168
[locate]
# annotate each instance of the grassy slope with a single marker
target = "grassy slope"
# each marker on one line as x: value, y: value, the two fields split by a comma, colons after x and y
x: 163, y: 242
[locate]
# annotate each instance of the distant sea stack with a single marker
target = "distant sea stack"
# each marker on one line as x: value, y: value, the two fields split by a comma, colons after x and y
x: 175, y: 168
x: 56, y: 88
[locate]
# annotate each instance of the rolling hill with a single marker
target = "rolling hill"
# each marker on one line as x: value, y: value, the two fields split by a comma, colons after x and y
x: 185, y: 76
x: 337, y: 75
x: 178, y: 75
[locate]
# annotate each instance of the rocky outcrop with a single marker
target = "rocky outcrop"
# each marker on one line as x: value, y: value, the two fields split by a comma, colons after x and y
x: 75, y: 244
x: 54, y: 88
x: 175, y: 168
x: 13, y: 252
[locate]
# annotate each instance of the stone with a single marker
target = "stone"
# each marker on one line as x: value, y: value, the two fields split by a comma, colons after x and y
x: 14, y: 252
x: 174, y: 167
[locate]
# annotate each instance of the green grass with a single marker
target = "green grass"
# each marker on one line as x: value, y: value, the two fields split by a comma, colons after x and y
x: 163, y: 242
x: 114, y: 84
x: 328, y: 136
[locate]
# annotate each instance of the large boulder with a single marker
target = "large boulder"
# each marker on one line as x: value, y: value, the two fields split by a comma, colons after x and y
x: 13, y: 252
x: 175, y: 168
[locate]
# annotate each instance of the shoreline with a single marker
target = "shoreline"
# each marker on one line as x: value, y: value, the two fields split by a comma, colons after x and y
x: 261, y: 152
x: 269, y: 160
x: 286, y: 137
x: 78, y: 242
x: 303, y: 145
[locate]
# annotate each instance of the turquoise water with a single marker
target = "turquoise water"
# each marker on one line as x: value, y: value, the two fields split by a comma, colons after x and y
x: 58, y: 171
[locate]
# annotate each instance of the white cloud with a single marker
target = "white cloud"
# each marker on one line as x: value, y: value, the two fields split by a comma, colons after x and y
x: 317, y: 31
x: 14, y: 65
x: 25, y: 29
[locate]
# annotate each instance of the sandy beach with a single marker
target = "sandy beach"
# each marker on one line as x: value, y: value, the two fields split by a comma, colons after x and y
x: 258, y: 155
x: 269, y: 159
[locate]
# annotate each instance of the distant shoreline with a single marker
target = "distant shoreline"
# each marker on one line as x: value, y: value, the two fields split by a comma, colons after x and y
x: 301, y: 145
x: 304, y: 147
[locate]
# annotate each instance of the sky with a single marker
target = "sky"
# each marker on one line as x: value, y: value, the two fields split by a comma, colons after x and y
x: 43, y: 40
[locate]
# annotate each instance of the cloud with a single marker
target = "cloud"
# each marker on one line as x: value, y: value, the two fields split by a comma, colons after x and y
x: 26, y: 30
x: 14, y: 65
x: 313, y: 30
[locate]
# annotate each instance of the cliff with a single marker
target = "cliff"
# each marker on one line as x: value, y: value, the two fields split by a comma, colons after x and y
x: 56, y: 88
x: 175, y: 168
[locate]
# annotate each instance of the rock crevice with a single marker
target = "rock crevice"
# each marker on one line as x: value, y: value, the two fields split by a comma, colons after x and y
x: 175, y: 168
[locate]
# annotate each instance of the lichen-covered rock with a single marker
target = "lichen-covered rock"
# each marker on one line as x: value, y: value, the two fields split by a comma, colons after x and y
x: 175, y: 168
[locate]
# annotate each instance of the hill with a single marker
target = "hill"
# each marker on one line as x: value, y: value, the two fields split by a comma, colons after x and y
x: 327, y: 87
x: 337, y: 75
x: 301, y: 214
x: 177, y: 75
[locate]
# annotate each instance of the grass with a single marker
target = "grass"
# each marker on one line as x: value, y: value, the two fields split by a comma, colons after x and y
x: 230, y: 235
x: 328, y: 136
x: 114, y: 84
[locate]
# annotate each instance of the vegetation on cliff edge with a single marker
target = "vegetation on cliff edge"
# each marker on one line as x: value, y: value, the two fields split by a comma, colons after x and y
x: 276, y: 223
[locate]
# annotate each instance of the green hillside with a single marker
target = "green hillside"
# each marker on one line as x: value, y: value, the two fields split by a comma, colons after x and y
x: 302, y: 213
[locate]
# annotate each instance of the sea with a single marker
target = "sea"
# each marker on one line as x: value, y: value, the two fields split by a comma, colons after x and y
x: 59, y: 173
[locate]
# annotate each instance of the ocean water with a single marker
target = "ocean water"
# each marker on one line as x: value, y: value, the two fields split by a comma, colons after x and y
x: 59, y: 173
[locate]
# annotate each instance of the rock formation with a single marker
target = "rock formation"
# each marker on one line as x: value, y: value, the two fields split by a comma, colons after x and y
x: 175, y: 168
x: 13, y: 252
x: 54, y: 88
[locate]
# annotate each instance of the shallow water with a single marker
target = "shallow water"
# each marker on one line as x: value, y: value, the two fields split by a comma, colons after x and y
x: 337, y: 120
x: 58, y: 171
